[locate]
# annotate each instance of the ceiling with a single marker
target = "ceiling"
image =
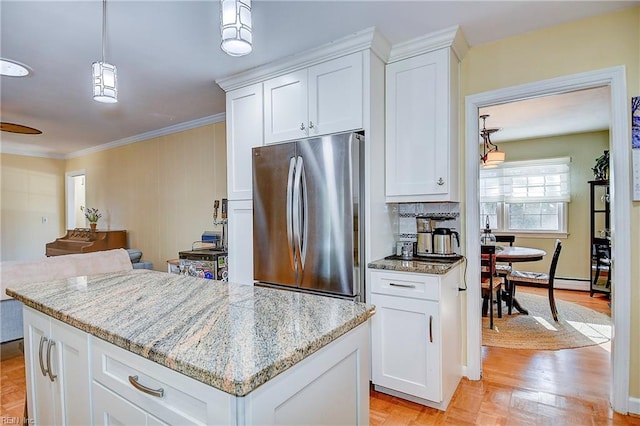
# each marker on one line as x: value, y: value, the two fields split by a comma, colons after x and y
x: 168, y: 58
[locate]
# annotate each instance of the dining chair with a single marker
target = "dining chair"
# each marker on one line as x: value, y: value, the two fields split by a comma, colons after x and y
x: 491, y: 283
x: 503, y: 270
x: 539, y: 278
x: 601, y: 254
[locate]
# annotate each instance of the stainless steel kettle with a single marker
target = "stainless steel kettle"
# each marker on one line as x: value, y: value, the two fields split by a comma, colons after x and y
x: 442, y: 240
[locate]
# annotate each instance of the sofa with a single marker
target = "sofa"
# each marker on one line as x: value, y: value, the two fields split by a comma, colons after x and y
x: 51, y: 268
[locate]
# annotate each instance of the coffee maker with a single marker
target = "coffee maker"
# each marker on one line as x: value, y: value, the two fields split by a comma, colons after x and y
x: 424, y: 244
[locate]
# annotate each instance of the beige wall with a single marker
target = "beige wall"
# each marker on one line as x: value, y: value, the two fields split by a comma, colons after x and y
x: 591, y: 44
x: 160, y: 190
x: 32, y: 188
x: 583, y: 149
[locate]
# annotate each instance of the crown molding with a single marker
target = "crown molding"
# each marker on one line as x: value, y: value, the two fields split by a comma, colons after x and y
x: 366, y: 39
x: 449, y: 37
x: 39, y: 154
x: 188, y: 125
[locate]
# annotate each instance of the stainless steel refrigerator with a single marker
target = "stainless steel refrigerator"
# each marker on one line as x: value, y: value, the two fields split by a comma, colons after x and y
x: 307, y: 215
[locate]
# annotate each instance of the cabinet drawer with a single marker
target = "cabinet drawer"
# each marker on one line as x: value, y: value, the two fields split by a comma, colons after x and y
x: 419, y: 286
x: 183, y: 400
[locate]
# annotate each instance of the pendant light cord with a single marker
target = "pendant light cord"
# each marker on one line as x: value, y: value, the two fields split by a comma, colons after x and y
x: 104, y: 26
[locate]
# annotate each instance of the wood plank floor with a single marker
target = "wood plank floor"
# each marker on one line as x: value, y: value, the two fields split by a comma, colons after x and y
x: 519, y: 387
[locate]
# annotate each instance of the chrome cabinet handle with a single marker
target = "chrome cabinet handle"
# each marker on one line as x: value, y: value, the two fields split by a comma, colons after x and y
x: 142, y: 388
x: 311, y: 125
x: 302, y: 126
x: 43, y: 340
x: 440, y: 182
x: 402, y: 285
x: 431, y: 328
x: 52, y: 376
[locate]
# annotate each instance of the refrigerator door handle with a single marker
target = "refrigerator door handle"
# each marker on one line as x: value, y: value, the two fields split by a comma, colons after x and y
x: 297, y: 209
x: 290, y: 213
x: 304, y: 218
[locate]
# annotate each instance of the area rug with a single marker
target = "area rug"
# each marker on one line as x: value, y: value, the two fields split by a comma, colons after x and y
x: 577, y: 327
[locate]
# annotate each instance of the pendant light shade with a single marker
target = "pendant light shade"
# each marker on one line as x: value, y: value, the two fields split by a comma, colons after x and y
x: 491, y: 156
x: 235, y: 27
x: 105, y: 76
x: 105, y: 82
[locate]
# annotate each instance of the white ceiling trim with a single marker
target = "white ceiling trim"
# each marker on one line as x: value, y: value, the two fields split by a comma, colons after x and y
x: 217, y: 118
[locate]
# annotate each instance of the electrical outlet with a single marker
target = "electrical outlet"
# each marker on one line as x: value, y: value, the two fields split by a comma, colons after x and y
x: 45, y: 219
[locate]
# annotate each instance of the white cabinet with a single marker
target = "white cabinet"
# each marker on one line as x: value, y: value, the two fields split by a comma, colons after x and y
x: 57, y: 370
x: 244, y: 131
x: 240, y: 226
x: 319, y: 100
x: 415, y: 338
x: 421, y: 133
x: 111, y: 409
x: 128, y: 389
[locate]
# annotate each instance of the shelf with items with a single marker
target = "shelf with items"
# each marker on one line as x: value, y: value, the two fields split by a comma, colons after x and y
x: 600, y: 216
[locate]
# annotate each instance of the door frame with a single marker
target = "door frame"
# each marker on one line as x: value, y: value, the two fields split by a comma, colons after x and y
x: 70, y: 195
x: 619, y: 144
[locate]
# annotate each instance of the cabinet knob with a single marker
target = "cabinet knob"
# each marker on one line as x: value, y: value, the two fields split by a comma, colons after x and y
x: 440, y: 182
x: 311, y: 124
x: 302, y: 126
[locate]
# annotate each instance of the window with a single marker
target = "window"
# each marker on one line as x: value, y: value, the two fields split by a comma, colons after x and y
x: 526, y: 196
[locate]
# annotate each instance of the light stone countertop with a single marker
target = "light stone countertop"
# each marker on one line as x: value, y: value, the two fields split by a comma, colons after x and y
x: 420, y: 266
x: 230, y: 336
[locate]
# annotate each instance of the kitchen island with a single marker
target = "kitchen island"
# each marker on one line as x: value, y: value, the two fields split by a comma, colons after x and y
x: 165, y: 348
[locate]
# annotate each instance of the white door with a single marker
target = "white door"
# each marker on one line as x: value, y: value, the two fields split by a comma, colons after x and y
x: 286, y: 108
x: 406, y: 346
x: 75, y: 194
x: 335, y: 95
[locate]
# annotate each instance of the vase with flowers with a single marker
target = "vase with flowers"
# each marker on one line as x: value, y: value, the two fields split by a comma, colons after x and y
x: 92, y: 216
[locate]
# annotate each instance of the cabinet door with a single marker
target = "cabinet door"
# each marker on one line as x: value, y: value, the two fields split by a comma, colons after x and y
x: 241, y: 242
x: 71, y: 366
x: 285, y: 107
x: 417, y: 132
x: 244, y: 131
x: 109, y: 409
x: 335, y: 95
x: 405, y: 346
x: 40, y: 389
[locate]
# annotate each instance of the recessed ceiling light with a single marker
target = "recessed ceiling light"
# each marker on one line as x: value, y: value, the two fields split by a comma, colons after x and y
x: 18, y: 128
x: 13, y: 69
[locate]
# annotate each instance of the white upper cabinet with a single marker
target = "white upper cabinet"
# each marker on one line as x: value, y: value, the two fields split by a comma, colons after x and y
x: 244, y: 131
x: 319, y: 100
x: 422, y: 126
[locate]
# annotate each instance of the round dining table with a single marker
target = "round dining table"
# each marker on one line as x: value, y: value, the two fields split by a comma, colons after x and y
x: 513, y: 254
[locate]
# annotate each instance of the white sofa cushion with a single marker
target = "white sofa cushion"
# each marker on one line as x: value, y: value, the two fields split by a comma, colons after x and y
x: 59, y: 267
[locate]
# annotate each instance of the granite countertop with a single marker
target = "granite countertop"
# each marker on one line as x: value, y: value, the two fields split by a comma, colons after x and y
x: 230, y: 336
x: 423, y: 266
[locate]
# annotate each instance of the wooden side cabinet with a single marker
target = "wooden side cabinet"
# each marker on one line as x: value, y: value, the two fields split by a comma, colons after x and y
x: 600, y: 275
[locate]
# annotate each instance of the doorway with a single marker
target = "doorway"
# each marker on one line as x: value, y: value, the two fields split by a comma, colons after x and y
x: 75, y: 196
x: 620, y: 220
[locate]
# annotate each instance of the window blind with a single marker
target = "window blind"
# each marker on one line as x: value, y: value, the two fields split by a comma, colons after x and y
x: 546, y: 180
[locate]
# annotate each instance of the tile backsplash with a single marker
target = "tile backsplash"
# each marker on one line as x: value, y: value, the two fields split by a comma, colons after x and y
x: 404, y: 217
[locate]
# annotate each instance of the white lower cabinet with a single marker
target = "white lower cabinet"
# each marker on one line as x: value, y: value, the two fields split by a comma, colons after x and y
x: 99, y: 383
x: 57, y: 370
x: 415, y: 337
x: 111, y: 409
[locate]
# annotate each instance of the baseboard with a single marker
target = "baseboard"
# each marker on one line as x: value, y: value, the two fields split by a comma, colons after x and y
x: 634, y: 406
x: 571, y: 284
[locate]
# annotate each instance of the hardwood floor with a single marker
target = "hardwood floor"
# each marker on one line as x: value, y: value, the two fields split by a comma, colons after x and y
x: 519, y: 387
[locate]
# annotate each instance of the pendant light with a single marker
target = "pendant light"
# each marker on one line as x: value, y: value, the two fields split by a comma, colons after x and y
x: 105, y: 77
x: 235, y: 27
x: 492, y: 156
